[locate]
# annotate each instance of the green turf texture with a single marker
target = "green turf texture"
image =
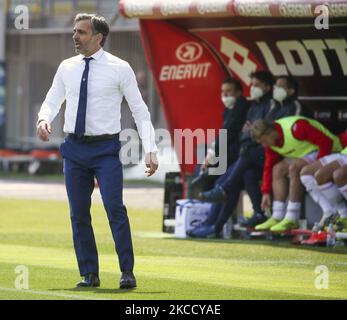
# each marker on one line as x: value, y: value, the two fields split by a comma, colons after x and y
x: 37, y: 234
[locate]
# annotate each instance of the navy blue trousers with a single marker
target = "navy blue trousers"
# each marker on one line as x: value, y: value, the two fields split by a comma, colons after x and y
x: 82, y: 162
x: 245, y: 173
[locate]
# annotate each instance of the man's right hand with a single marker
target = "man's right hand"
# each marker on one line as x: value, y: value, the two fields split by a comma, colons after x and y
x: 266, y: 202
x: 44, y: 129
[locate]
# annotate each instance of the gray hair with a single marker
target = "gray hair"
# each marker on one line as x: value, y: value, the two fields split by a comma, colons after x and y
x: 99, y: 24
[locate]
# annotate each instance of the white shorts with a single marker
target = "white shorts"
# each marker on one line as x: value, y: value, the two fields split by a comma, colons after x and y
x: 309, y: 158
x: 341, y: 158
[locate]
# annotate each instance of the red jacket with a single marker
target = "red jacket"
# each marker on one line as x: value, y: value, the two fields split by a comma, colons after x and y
x: 302, y: 130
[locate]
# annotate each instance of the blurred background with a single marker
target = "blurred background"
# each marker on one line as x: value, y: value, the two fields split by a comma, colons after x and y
x: 31, y: 57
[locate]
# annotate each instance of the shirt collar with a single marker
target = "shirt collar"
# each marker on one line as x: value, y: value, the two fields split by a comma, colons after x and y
x: 95, y: 56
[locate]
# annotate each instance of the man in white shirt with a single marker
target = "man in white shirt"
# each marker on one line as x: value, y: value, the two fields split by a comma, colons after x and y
x: 93, y: 84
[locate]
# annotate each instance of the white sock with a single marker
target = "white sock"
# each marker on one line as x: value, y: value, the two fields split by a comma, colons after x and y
x: 334, y: 197
x: 293, y: 211
x: 278, y: 210
x: 343, y: 190
x: 331, y: 192
x: 343, y: 212
x: 316, y: 194
x: 310, y: 184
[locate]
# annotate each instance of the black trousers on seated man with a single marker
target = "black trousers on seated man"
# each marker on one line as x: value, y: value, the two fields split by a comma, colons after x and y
x: 244, y: 173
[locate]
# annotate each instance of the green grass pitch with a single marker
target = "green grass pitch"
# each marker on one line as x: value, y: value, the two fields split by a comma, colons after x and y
x: 37, y: 234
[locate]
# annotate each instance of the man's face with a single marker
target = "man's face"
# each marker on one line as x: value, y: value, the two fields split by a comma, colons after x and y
x: 263, y: 86
x: 229, y: 90
x: 282, y: 83
x: 85, y: 42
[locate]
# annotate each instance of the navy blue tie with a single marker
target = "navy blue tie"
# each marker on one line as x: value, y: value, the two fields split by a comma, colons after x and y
x: 80, y: 126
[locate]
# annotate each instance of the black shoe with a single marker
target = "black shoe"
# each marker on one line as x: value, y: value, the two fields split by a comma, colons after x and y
x: 253, y: 221
x: 127, y: 280
x: 90, y: 280
x: 217, y: 194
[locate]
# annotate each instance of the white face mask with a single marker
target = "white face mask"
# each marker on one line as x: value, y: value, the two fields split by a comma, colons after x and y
x: 279, y: 93
x: 229, y: 101
x: 256, y: 93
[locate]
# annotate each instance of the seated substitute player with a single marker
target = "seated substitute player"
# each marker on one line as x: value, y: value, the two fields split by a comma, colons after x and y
x: 291, y: 143
x: 244, y: 174
x: 326, y: 182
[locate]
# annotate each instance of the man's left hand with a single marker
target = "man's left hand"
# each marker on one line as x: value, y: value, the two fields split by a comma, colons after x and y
x: 151, y: 163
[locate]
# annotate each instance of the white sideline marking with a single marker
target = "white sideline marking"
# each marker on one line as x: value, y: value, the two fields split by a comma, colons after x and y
x: 52, y: 294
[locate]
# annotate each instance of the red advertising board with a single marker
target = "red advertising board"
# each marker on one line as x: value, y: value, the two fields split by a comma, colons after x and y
x: 188, y: 76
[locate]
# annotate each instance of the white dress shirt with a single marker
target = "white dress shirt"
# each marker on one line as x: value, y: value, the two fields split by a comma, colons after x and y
x: 109, y: 79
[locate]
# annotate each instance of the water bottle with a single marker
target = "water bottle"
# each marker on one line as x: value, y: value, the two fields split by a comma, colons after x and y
x: 302, y: 226
x: 316, y: 227
x: 331, y: 237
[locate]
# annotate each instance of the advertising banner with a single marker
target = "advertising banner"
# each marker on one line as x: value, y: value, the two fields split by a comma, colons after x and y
x: 166, y: 9
x: 188, y: 77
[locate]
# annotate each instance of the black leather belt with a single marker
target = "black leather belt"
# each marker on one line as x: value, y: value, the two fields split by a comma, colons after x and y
x: 89, y: 139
